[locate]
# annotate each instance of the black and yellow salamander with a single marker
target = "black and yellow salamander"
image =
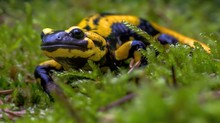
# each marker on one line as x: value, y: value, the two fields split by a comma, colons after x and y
x: 103, y: 39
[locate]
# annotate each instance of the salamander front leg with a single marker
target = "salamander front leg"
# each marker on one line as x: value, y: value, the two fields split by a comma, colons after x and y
x: 131, y: 49
x: 42, y: 72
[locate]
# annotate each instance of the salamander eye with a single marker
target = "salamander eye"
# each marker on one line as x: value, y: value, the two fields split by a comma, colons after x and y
x: 77, y: 33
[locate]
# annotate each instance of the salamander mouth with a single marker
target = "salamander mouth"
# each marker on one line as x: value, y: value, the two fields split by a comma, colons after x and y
x: 53, y: 47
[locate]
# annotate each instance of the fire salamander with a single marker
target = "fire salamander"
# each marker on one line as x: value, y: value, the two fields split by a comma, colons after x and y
x: 103, y: 39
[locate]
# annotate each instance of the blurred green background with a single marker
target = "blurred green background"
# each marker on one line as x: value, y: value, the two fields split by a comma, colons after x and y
x: 21, y: 22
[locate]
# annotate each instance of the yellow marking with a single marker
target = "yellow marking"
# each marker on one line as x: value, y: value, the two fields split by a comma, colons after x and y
x: 47, y: 30
x: 89, y: 22
x: 71, y: 28
x: 96, y: 37
x: 68, y: 53
x: 98, y: 54
x: 122, y: 52
x: 104, y: 25
x: 94, y: 53
x: 83, y: 23
x: 137, y: 56
x: 51, y: 63
x: 181, y: 38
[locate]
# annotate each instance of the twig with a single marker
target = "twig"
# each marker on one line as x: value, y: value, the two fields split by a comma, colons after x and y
x: 15, y: 113
x: 118, y: 102
x: 174, y: 82
x: 133, y: 66
x: 6, y: 91
x: 218, y: 60
x: 12, y: 115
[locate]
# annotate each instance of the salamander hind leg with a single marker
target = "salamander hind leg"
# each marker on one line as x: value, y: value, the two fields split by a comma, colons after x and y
x: 166, y: 39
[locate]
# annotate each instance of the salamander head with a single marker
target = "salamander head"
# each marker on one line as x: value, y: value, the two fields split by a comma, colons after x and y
x: 72, y: 45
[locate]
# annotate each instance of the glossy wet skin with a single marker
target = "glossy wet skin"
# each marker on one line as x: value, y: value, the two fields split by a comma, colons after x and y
x: 72, y: 43
x: 103, y: 39
x: 75, y: 39
x: 72, y: 47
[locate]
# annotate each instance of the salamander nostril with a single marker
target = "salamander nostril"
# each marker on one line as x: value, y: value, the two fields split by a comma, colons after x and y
x: 59, y: 37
